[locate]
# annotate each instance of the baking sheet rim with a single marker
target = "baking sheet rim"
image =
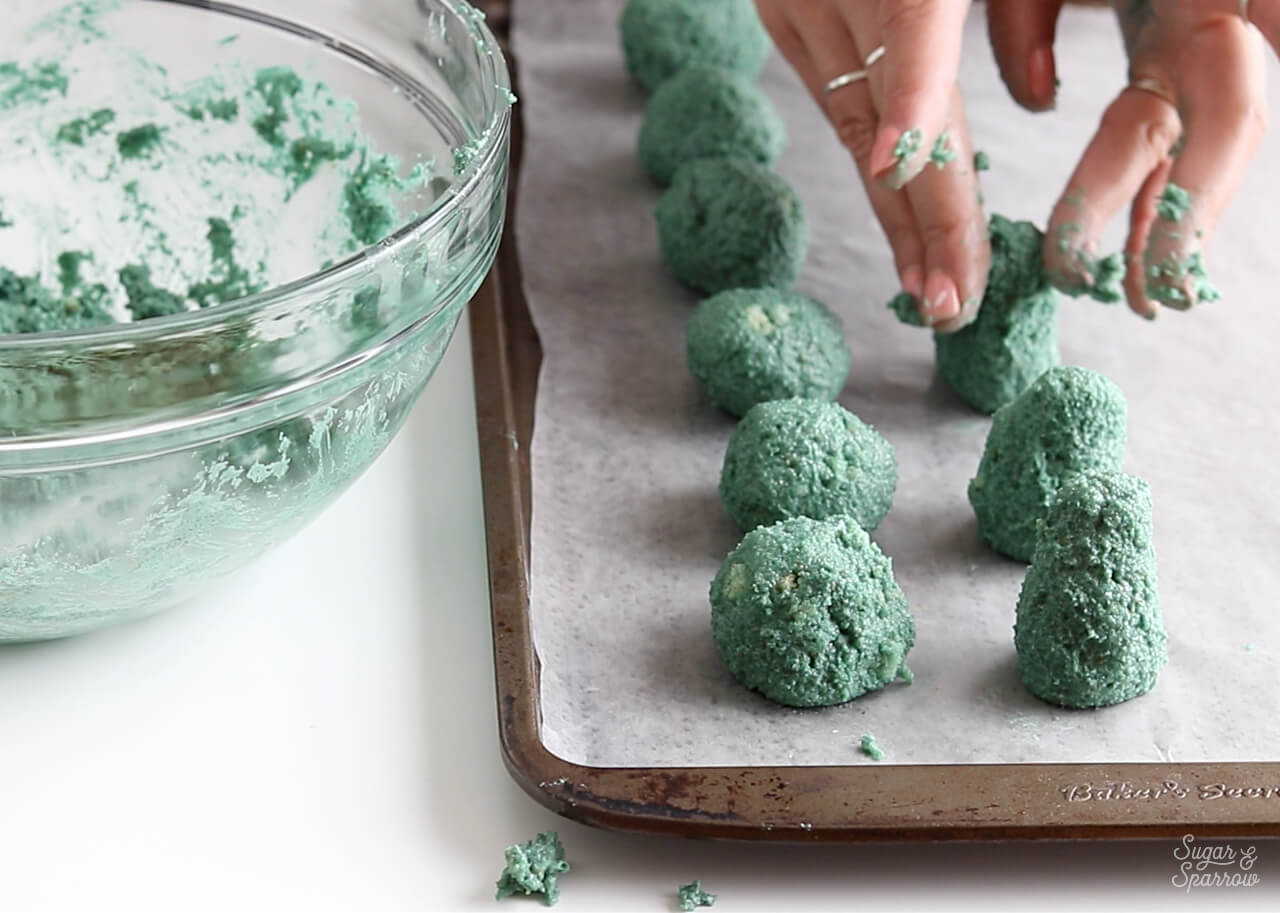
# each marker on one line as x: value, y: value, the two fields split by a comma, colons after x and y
x: 821, y: 803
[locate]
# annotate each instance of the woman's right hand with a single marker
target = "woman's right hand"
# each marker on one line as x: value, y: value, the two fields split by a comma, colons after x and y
x: 930, y: 215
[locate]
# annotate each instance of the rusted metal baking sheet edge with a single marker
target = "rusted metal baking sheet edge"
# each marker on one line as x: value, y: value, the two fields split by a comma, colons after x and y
x: 834, y: 804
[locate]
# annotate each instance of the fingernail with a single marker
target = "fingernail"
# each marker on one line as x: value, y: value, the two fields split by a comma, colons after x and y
x: 940, y: 299
x: 1040, y: 77
x: 912, y: 279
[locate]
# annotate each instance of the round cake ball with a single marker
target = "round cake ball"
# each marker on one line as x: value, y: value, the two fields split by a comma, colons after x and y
x: 806, y: 458
x: 807, y: 613
x: 749, y: 346
x: 1070, y: 420
x: 1014, y: 338
x: 730, y: 223
x: 707, y: 112
x: 1089, y: 631
x: 662, y: 37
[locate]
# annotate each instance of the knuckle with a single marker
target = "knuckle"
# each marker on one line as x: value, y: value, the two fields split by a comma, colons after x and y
x: 1251, y: 115
x: 903, y: 15
x: 1243, y: 118
x: 855, y: 127
x: 903, y: 242
x: 946, y: 233
x: 1154, y: 131
x: 1158, y: 136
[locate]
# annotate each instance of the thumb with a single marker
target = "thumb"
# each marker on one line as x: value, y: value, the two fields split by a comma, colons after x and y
x: 1022, y: 36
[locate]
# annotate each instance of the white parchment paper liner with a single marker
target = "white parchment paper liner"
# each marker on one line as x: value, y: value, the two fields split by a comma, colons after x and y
x: 627, y: 526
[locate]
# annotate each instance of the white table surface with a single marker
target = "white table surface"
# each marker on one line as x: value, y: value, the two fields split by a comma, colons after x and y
x: 321, y: 735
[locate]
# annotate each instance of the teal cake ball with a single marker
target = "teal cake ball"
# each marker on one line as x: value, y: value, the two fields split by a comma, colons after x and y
x: 1089, y: 631
x: 662, y: 37
x: 1014, y: 338
x: 1070, y: 420
x: 729, y: 223
x: 806, y: 458
x: 749, y: 346
x: 707, y: 112
x: 807, y: 612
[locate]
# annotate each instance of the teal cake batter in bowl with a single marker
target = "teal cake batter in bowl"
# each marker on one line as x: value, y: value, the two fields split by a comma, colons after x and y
x: 234, y: 244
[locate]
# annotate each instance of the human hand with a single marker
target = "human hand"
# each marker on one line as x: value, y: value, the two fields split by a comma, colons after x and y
x: 1189, y: 120
x: 903, y: 114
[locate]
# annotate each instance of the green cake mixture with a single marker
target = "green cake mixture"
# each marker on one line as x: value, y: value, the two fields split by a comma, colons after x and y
x: 662, y: 37
x: 1015, y: 337
x: 906, y: 307
x: 871, y: 748
x: 1100, y: 278
x: 131, y: 191
x: 1178, y: 281
x: 177, y: 195
x: 749, y: 346
x: 731, y: 223
x: 691, y: 896
x: 708, y: 112
x: 808, y: 613
x: 1089, y: 631
x: 806, y: 458
x: 1070, y: 420
x: 533, y: 867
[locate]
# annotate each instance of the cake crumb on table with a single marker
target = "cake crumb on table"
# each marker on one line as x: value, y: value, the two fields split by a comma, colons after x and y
x: 691, y: 895
x: 870, y: 748
x: 533, y: 867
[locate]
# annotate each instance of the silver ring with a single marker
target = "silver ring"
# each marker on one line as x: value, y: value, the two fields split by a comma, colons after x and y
x: 848, y: 79
x: 1154, y: 87
x: 1244, y: 10
x: 844, y: 79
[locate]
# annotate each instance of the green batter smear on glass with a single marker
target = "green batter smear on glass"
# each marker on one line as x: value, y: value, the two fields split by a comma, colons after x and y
x: 173, y: 196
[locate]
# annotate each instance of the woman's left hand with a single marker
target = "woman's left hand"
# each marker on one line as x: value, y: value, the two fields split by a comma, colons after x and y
x: 1190, y: 119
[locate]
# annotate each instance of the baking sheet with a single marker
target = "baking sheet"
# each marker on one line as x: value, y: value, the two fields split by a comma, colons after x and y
x: 627, y: 528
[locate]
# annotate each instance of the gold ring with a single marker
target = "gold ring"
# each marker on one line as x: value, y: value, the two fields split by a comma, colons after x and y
x: 1154, y: 87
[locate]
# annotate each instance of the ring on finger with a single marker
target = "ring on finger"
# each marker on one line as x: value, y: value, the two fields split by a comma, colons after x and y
x: 847, y: 79
x: 1244, y: 10
x: 1154, y: 87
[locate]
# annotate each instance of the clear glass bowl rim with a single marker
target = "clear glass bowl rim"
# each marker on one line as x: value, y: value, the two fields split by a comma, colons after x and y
x: 491, y: 140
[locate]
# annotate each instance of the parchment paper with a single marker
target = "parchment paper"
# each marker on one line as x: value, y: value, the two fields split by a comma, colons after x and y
x: 627, y: 526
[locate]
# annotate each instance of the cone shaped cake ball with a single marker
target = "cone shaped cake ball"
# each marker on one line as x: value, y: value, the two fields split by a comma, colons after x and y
x: 730, y: 223
x: 1089, y: 631
x: 708, y: 112
x: 1014, y: 338
x: 807, y: 613
x: 749, y: 346
x: 806, y: 458
x: 1070, y: 420
x: 662, y: 37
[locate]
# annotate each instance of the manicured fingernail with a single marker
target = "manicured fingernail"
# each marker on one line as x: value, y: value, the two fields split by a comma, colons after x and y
x: 940, y: 299
x: 912, y: 279
x: 1040, y: 77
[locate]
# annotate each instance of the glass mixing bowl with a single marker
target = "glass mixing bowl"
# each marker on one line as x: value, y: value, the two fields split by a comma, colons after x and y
x: 140, y: 462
